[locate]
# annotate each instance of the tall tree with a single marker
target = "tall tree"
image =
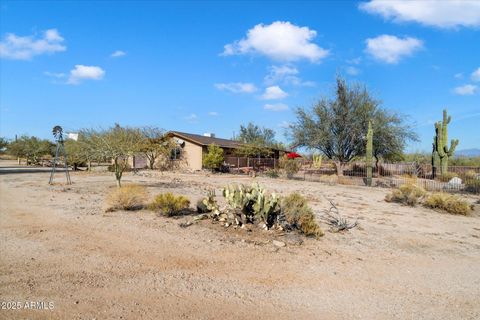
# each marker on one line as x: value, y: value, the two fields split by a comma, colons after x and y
x: 117, y: 143
x: 257, y: 141
x: 156, y: 144
x: 30, y: 148
x: 392, y: 133
x: 3, y: 143
x: 338, y: 126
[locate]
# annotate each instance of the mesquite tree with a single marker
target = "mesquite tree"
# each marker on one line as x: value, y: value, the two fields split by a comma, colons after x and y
x: 441, y: 152
x: 117, y: 144
x: 336, y: 126
x: 156, y: 144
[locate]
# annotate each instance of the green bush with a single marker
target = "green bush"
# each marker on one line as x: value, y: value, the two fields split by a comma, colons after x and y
x: 214, y: 158
x: 299, y: 215
x: 449, y: 203
x: 408, y: 194
x: 291, y: 166
x: 129, y: 197
x: 473, y: 185
x: 272, y: 173
x: 168, y: 204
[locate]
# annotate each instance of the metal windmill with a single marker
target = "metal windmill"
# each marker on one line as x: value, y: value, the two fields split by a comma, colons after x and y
x: 58, y: 135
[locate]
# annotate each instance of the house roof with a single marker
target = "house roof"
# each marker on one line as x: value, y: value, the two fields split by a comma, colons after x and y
x: 205, y: 141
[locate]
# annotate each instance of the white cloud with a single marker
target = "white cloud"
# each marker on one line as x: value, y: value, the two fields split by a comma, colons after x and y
x: 280, y: 73
x: 437, y: 13
x: 356, y: 60
x: 57, y: 75
x: 280, y: 41
x: 213, y: 113
x: 458, y: 75
x: 192, y: 118
x: 475, y: 76
x: 24, y: 48
x: 274, y: 93
x: 118, y: 53
x: 353, y: 71
x: 236, y: 87
x: 466, y: 90
x: 276, y: 107
x: 81, y: 72
x: 287, y: 75
x: 391, y: 49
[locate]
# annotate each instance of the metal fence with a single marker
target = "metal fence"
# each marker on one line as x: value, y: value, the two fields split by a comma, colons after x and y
x: 458, y: 178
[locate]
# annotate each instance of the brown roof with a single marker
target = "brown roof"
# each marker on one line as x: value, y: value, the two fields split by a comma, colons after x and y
x: 205, y: 141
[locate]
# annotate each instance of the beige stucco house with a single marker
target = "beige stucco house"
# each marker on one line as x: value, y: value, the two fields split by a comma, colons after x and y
x: 191, y: 147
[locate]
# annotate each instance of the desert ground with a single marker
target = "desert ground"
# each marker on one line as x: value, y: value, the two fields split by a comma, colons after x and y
x: 59, y: 245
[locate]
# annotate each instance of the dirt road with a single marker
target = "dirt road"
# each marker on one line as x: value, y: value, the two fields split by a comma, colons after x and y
x: 57, y: 245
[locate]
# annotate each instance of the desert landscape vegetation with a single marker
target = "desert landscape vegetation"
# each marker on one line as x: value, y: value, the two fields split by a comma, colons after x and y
x: 349, y: 187
x: 168, y: 242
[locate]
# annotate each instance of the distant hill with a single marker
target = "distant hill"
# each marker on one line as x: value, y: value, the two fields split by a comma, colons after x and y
x: 468, y: 153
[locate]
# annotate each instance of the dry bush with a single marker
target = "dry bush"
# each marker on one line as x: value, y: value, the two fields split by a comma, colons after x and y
x: 473, y: 185
x: 330, y: 179
x: 408, y: 194
x: 447, y: 202
x: 347, y: 181
x: 299, y: 215
x: 168, y: 204
x: 128, y: 197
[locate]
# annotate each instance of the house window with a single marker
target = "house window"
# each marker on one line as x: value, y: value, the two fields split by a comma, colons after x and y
x: 176, y: 153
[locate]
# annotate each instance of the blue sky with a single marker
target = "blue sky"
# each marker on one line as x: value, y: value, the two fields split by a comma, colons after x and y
x: 211, y: 66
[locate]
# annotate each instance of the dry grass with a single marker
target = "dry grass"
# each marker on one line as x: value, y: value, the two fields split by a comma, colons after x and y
x: 168, y: 204
x: 128, y: 197
x: 408, y: 194
x: 449, y: 203
x: 299, y: 215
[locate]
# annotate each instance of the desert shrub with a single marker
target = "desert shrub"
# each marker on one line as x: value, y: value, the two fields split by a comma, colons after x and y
x: 447, y: 202
x: 214, y: 158
x: 447, y: 176
x: 408, y: 194
x: 299, y: 215
x: 472, y: 185
x: 291, y: 166
x: 168, y: 204
x: 272, y: 173
x: 128, y: 197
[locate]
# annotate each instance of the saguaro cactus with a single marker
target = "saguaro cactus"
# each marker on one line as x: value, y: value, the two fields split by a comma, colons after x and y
x: 441, y: 151
x: 369, y: 155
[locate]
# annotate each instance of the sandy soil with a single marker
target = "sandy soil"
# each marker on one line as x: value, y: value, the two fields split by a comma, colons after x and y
x: 57, y: 245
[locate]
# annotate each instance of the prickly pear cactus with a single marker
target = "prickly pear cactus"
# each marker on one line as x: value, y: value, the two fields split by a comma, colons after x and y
x: 253, y: 202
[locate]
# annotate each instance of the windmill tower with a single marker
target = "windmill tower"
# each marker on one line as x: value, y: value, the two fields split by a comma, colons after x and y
x: 60, y: 149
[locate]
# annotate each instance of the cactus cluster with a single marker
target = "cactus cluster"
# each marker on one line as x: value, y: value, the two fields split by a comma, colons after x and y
x: 317, y: 161
x: 251, y: 203
x: 369, y: 155
x: 441, y: 152
x: 209, y: 204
